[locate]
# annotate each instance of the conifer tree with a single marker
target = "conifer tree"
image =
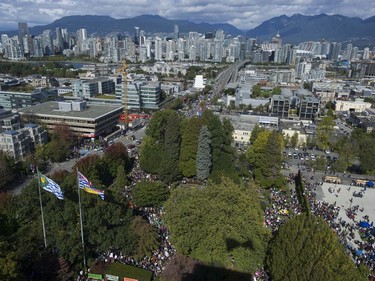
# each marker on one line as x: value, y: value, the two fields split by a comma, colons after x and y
x: 204, y: 161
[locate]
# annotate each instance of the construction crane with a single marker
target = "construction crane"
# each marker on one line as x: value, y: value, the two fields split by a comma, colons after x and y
x: 124, y: 117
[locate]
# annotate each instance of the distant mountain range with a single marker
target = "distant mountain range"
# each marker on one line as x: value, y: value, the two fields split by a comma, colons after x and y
x: 294, y: 29
x: 149, y: 23
x: 299, y: 28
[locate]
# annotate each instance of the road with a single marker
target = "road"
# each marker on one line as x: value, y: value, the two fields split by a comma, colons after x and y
x: 228, y: 75
x: 68, y: 165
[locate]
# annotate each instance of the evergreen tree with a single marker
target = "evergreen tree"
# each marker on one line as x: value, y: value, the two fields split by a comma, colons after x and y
x: 121, y: 180
x: 160, y: 150
x: 223, y: 159
x: 204, y: 161
x: 301, y: 195
x: 189, y: 144
x: 150, y: 194
x: 306, y: 248
x: 169, y: 170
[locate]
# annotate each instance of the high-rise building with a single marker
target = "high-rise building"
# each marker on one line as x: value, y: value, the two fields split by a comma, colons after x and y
x: 81, y: 37
x: 142, y: 38
x: 354, y: 53
x: 59, y: 40
x: 47, y: 42
x: 22, y: 32
x: 192, y: 53
x: 136, y: 35
x: 218, y: 51
x: 325, y: 48
x: 219, y: 35
x: 348, y: 52
x: 334, y: 51
x: 366, y: 54
x: 176, y: 32
x: 158, y: 48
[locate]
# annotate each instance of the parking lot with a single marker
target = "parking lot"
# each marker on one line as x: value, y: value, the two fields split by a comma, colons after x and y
x: 303, y: 157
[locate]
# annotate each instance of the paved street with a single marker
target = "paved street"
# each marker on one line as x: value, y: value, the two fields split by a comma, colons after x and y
x: 68, y: 165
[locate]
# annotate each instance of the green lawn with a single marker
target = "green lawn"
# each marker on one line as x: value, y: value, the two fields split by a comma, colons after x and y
x: 123, y: 270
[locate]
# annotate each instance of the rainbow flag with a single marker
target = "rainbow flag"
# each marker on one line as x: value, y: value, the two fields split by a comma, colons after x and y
x: 87, y: 186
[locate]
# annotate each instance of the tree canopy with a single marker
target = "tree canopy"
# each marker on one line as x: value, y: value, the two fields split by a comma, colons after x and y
x: 160, y: 151
x: 149, y: 194
x: 190, y: 129
x: 219, y: 224
x: 306, y: 248
x: 204, y: 160
x: 324, y: 131
x: 265, y: 157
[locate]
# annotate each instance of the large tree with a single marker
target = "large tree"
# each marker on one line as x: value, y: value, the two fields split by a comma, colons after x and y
x: 114, y: 156
x: 147, y: 237
x: 306, y: 248
x: 160, y: 150
x: 324, y: 130
x: 7, y: 170
x: 106, y: 223
x: 219, y: 224
x: 190, y: 129
x: 204, y: 161
x: 150, y: 194
x: 221, y: 146
x: 60, y: 146
x: 265, y: 157
x: 169, y: 170
x: 255, y: 132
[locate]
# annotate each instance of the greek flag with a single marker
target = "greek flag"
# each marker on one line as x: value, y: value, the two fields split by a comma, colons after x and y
x: 87, y: 186
x: 50, y: 186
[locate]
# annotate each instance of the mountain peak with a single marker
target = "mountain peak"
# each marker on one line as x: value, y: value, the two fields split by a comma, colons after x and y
x: 299, y: 28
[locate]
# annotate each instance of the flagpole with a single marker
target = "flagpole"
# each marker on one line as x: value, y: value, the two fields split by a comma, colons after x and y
x: 80, y: 219
x: 41, y: 209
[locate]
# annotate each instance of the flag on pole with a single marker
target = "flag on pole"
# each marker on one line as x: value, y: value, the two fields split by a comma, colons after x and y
x: 87, y: 186
x: 50, y: 186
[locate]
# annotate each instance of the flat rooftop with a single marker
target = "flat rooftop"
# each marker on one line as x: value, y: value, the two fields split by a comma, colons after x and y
x: 51, y: 109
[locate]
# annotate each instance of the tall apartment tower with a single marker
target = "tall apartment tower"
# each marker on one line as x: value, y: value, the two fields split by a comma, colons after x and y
x: 47, y: 42
x: 59, y: 40
x: 334, y: 51
x: 158, y: 48
x: 81, y: 37
x: 136, y: 35
x: 23, y: 31
x: 176, y: 32
x: 366, y: 54
x: 219, y: 35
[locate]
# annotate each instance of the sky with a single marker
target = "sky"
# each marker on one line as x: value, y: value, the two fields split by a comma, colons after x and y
x: 243, y: 14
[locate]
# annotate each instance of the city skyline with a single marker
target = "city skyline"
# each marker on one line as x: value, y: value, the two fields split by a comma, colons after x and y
x: 242, y: 14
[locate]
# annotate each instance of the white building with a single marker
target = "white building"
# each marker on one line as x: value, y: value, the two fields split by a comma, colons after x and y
x: 199, y: 82
x: 357, y: 106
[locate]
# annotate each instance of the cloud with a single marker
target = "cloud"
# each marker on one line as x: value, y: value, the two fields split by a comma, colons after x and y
x: 244, y: 14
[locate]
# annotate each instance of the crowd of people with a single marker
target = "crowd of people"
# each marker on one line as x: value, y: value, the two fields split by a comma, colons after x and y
x: 358, y: 240
x: 157, y: 260
x: 355, y: 231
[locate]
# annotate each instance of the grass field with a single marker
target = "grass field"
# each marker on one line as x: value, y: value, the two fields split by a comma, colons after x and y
x: 123, y: 270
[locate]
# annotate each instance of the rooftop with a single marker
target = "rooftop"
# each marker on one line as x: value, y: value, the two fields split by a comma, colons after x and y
x: 51, y: 108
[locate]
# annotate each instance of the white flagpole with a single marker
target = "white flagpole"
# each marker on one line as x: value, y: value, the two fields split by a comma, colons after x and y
x: 80, y: 219
x: 41, y: 208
